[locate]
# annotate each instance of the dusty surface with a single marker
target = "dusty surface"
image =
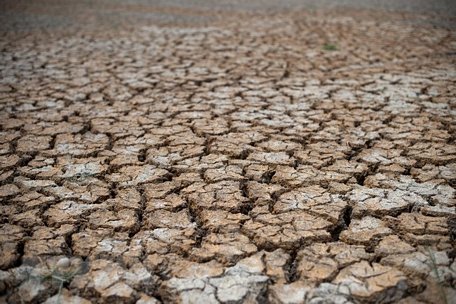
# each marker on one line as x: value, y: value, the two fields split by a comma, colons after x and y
x: 154, y: 153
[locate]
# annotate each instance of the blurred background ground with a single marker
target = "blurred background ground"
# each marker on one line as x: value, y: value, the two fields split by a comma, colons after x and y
x: 57, y: 15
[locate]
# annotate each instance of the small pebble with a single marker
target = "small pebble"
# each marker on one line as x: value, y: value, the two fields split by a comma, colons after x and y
x: 63, y: 263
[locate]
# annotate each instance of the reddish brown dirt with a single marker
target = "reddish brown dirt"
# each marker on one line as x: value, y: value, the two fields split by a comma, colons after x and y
x: 153, y: 153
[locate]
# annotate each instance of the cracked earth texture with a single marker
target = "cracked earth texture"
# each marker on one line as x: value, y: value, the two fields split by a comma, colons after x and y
x: 183, y: 154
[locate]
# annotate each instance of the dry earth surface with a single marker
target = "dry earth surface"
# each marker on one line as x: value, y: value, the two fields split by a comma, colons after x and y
x: 227, y: 152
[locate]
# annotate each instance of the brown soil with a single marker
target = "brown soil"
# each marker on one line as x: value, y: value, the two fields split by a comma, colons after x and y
x: 183, y: 154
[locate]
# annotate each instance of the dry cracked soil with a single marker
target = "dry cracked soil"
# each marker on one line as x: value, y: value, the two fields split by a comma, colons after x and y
x: 227, y: 152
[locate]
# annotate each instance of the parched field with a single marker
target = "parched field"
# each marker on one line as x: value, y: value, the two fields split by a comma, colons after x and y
x: 155, y: 152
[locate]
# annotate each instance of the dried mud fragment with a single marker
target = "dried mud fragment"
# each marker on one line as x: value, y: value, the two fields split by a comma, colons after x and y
x: 136, y: 175
x: 322, y: 262
x: 10, y: 238
x: 373, y: 283
x: 365, y: 231
x: 224, y: 247
x: 243, y: 281
x: 287, y: 230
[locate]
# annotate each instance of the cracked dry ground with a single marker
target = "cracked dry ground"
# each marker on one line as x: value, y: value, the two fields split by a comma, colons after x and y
x: 232, y: 161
